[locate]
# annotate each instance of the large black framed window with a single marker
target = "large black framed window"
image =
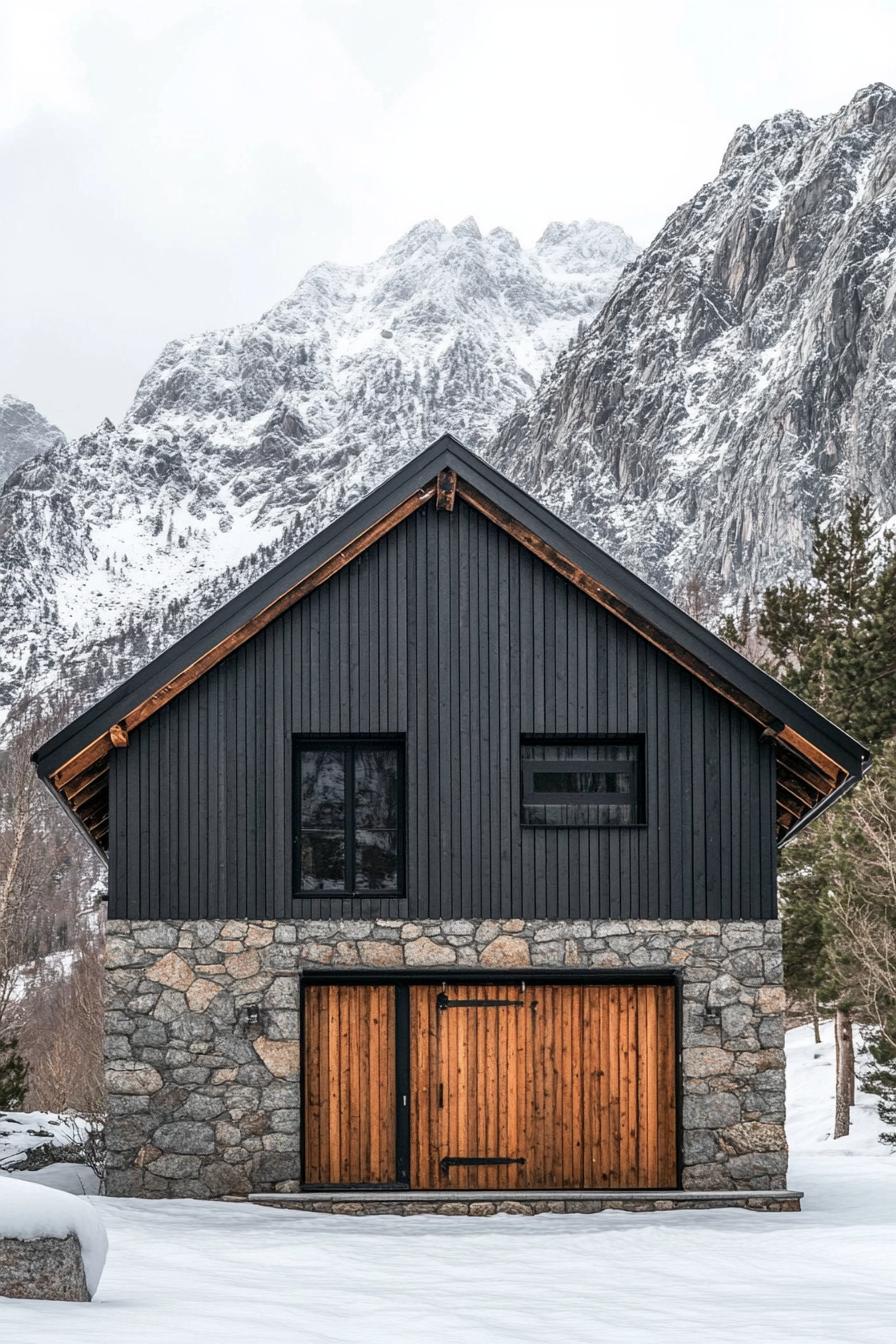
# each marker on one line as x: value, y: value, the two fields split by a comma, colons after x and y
x: 349, y: 814
x: 575, y: 781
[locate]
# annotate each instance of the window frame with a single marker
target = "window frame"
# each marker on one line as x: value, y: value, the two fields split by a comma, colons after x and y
x: 348, y: 743
x: 636, y: 767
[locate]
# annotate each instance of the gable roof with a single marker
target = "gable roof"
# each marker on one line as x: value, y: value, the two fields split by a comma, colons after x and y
x: 817, y: 761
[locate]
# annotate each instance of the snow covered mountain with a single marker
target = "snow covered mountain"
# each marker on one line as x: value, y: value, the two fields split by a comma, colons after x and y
x: 743, y: 375
x: 740, y: 377
x: 257, y: 436
x: 23, y: 433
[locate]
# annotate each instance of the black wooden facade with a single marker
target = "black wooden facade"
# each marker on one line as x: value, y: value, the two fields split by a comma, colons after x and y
x: 451, y: 634
x: 450, y: 613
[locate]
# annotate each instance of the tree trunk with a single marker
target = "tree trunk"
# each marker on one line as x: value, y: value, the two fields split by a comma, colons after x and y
x: 816, y: 1025
x: 845, y: 1070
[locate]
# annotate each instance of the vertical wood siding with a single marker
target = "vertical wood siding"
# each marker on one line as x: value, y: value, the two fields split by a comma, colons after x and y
x: 349, y: 1081
x: 449, y: 632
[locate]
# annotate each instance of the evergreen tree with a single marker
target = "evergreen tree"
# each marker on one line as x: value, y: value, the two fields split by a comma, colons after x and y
x: 13, y: 1076
x: 881, y: 1078
x: 832, y: 640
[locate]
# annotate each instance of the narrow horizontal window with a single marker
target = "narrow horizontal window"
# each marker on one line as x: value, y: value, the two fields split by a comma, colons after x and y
x: 348, y: 817
x: 581, y: 782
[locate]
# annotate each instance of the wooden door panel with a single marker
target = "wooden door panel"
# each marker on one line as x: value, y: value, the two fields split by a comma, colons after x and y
x: 579, y: 1081
x: 602, y: 1110
x: 468, y: 1090
x: 349, y: 1084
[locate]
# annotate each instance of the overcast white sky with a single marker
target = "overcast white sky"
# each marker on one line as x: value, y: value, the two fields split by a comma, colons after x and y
x: 174, y: 165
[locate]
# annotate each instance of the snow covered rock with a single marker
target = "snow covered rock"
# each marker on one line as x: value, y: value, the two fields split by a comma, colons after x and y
x: 260, y: 435
x: 741, y: 377
x: 43, y: 1267
x: 52, y: 1244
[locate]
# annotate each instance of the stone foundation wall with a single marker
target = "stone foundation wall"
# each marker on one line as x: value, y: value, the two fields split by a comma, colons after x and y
x: 204, y: 1101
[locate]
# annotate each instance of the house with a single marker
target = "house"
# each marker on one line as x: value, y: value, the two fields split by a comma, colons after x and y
x: 442, y: 874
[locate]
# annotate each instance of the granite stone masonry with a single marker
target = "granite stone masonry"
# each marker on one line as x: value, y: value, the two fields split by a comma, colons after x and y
x: 203, y: 1052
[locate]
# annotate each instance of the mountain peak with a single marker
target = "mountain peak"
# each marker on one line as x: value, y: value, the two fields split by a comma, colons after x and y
x: 582, y: 243
x: 874, y: 104
x: 467, y: 228
x: 24, y: 433
x: 426, y: 234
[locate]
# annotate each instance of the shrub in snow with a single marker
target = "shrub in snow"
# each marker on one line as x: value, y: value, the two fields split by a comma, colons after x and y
x: 39, y: 1229
x: 30, y: 1140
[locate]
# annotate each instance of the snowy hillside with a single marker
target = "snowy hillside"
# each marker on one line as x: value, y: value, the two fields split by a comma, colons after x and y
x: 23, y: 434
x: 823, y: 1276
x: 276, y: 426
x: 743, y: 376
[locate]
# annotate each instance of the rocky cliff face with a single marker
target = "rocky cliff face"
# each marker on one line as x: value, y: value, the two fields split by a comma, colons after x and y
x: 743, y: 375
x: 23, y: 434
x: 258, y: 436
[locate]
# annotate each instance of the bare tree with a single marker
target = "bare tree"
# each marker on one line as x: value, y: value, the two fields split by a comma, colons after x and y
x: 28, y: 862
x: 862, y: 908
x: 48, y: 884
x: 701, y: 596
x: 62, y: 1034
x: 861, y: 917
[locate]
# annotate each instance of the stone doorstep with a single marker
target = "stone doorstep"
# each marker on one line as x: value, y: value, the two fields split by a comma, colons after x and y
x: 521, y: 1201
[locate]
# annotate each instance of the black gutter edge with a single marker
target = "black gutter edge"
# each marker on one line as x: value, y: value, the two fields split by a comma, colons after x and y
x: 73, y: 817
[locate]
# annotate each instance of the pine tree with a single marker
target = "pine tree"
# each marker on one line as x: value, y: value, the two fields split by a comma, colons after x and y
x: 881, y: 1078
x: 13, y: 1076
x: 832, y: 640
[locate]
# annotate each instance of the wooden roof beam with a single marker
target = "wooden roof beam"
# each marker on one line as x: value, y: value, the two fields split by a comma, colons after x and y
x: 804, y: 769
x: 86, y: 777
x: 88, y: 791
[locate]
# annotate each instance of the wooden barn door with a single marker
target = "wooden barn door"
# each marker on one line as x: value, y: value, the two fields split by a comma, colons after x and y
x: 469, y: 1088
x: 350, y: 1085
x: 542, y: 1087
x: 602, y: 1105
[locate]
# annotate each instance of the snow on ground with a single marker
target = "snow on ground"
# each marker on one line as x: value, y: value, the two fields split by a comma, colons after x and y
x: 74, y: 1177
x: 181, y: 1270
